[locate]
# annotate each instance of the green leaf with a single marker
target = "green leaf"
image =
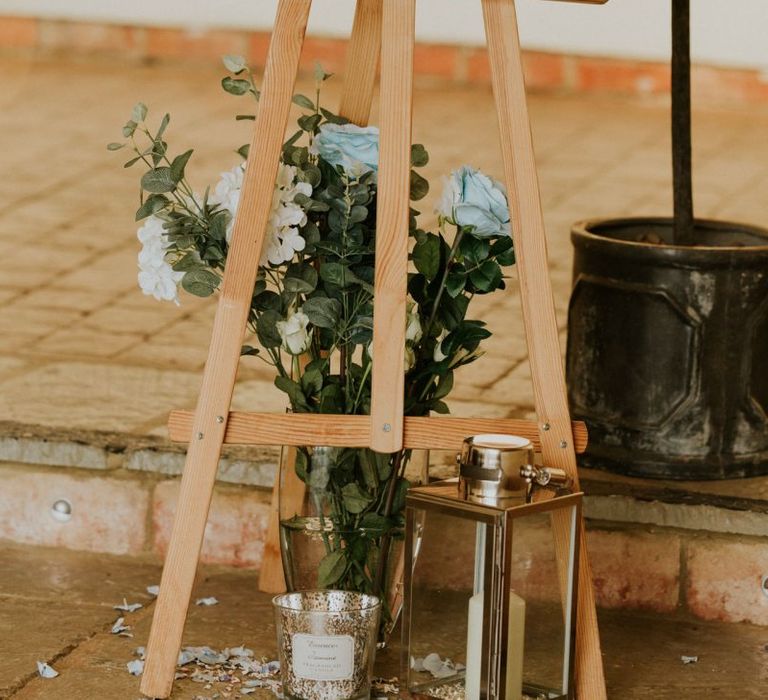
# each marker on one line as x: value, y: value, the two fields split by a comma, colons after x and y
x: 419, y: 156
x: 139, y: 113
x: 114, y: 146
x: 309, y: 122
x: 245, y: 117
x: 159, y: 180
x: 300, y: 278
x: 331, y: 399
x: 235, y: 86
x: 419, y: 186
x: 440, y: 407
x: 163, y: 126
x: 426, y: 256
x: 312, y: 381
x: 333, y: 118
x: 320, y: 74
x: 201, y: 282
x: 267, y: 301
x: 444, y: 386
x: 293, y: 389
x: 376, y: 522
x: 331, y: 568
x: 129, y: 128
x: 400, y: 492
x: 355, y: 499
x: 248, y: 350
x: 178, y: 165
x: 218, y: 226
x: 456, y: 282
x: 322, y: 311
x: 475, y: 250
x: 266, y: 329
x: 303, y: 101
x: 338, y: 274
x: 153, y: 204
x: 487, y: 277
x: 189, y: 262
x: 132, y: 161
x: 243, y: 151
x: 234, y: 64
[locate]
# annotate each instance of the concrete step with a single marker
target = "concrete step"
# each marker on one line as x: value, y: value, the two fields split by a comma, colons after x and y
x: 667, y: 547
x: 57, y: 607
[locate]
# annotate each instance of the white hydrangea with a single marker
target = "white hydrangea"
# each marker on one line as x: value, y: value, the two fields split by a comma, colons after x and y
x: 156, y: 276
x: 283, y: 239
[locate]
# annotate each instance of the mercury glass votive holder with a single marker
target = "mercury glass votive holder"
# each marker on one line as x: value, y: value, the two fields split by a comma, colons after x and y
x: 327, y: 643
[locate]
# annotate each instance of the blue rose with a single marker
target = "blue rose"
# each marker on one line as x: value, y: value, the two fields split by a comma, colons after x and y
x: 354, y: 148
x: 473, y: 200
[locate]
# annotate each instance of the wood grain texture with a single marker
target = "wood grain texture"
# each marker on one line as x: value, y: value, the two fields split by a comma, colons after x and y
x: 299, y: 429
x: 224, y: 354
x: 389, y: 307
x: 538, y: 304
x: 362, y: 63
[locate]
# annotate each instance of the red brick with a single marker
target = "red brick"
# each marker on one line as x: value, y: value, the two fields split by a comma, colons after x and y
x: 436, y: 60
x: 634, y: 569
x: 543, y: 70
x: 331, y: 53
x: 724, y: 580
x: 725, y: 86
x: 18, y: 32
x: 236, y: 529
x: 478, y: 67
x: 108, y: 515
x: 607, y: 74
x: 87, y: 37
x: 258, y: 46
x: 208, y: 45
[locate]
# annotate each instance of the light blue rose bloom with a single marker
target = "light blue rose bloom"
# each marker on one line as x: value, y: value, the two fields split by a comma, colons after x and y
x: 354, y: 148
x: 472, y: 199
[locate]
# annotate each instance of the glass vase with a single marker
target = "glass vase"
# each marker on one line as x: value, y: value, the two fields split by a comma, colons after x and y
x: 348, y: 537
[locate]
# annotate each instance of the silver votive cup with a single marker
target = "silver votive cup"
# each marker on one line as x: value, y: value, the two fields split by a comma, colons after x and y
x: 327, y: 643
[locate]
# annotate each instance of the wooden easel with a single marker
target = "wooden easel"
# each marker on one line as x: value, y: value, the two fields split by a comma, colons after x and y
x: 385, y: 27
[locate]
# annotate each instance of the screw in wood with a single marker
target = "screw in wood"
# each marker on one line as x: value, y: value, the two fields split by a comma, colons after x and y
x: 387, y: 428
x: 219, y: 419
x: 200, y: 436
x: 764, y: 585
x: 546, y: 426
x: 563, y: 444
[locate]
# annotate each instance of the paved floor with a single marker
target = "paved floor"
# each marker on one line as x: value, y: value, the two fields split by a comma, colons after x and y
x: 72, y: 594
x: 81, y: 348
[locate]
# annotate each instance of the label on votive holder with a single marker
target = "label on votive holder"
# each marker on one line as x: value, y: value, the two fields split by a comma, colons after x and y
x: 323, y: 658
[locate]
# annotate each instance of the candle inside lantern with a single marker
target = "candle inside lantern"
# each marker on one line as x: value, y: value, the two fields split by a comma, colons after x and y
x: 515, y: 647
x: 473, y: 673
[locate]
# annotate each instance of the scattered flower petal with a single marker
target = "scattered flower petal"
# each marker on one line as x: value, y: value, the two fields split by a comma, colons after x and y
x: 153, y: 590
x: 689, y: 659
x: 207, y: 601
x: 125, y: 606
x: 135, y: 667
x: 120, y: 626
x: 46, y: 671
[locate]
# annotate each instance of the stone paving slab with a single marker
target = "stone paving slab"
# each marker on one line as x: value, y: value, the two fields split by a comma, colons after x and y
x: 642, y: 651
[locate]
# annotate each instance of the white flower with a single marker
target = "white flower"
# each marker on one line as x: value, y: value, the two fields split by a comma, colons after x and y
x: 413, y: 330
x: 152, y: 231
x: 448, y: 199
x: 282, y: 238
x: 438, y: 354
x: 293, y: 332
x: 160, y: 282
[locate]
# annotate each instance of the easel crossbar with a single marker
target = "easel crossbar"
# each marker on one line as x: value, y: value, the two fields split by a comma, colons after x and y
x: 300, y: 429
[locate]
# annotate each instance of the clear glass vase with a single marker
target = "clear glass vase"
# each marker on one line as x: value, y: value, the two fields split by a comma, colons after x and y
x: 344, y: 529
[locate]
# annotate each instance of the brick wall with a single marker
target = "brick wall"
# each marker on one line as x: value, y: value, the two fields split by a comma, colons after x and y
x: 544, y: 71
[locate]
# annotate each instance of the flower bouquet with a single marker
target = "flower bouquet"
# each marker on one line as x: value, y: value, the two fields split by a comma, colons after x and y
x: 311, y: 315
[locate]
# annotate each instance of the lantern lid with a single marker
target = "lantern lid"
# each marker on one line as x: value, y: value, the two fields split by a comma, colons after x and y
x: 494, y: 467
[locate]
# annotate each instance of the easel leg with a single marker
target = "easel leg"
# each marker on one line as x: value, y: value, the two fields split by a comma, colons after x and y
x: 359, y: 84
x: 223, y: 358
x: 538, y: 306
x: 389, y: 310
x: 362, y: 62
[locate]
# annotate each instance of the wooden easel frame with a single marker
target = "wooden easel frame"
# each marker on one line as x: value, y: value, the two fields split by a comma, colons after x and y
x: 386, y: 27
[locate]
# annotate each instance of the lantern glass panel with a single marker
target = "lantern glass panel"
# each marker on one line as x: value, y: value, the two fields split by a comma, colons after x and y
x: 489, y: 602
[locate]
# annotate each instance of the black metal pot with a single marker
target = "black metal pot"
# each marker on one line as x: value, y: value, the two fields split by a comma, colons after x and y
x: 668, y: 348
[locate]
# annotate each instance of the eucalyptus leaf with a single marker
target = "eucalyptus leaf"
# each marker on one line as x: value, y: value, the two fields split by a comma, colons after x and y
x: 179, y: 164
x: 303, y: 101
x: 200, y: 281
x: 419, y: 186
x: 419, y: 156
x: 266, y: 329
x: 114, y: 146
x: 331, y: 568
x: 300, y: 278
x: 153, y: 204
x: 294, y: 391
x: 234, y: 64
x: 426, y: 256
x: 159, y: 180
x: 235, y: 86
x: 139, y: 113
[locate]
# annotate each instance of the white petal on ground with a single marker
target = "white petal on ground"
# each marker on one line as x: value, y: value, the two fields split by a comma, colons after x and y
x: 207, y: 601
x: 153, y: 590
x: 125, y: 606
x: 120, y: 626
x: 46, y: 671
x: 135, y: 667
